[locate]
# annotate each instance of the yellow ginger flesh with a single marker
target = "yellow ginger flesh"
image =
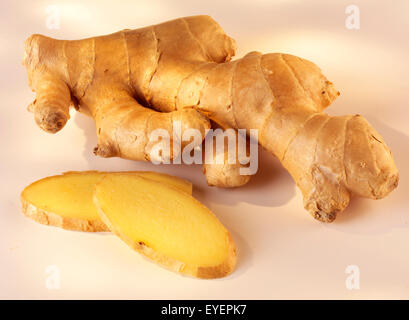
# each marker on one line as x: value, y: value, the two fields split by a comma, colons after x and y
x: 166, y: 225
x: 66, y: 200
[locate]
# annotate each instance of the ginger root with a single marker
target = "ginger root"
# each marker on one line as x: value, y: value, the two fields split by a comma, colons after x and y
x: 66, y: 200
x: 166, y: 225
x: 182, y: 70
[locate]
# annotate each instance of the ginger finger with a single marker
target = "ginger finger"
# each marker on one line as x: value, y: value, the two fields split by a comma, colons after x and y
x: 51, y: 106
x: 110, y: 71
x: 330, y: 158
x: 124, y: 127
x: 220, y: 171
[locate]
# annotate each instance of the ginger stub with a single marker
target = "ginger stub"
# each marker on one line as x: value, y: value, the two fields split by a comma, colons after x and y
x: 166, y: 225
x: 66, y: 200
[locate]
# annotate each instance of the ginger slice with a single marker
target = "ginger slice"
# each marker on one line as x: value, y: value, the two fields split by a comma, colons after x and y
x: 166, y: 225
x: 66, y: 200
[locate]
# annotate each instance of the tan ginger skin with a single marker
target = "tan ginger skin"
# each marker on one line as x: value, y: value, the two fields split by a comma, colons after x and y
x: 181, y: 70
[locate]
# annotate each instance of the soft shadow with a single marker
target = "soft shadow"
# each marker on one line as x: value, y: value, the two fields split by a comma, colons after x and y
x: 272, y: 175
x: 244, y: 257
x: 86, y: 124
x: 271, y: 186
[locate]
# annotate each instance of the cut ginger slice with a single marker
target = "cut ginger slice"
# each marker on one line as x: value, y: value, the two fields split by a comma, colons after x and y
x: 166, y: 225
x: 66, y: 200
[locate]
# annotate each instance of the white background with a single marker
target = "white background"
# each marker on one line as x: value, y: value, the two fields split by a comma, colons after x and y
x: 283, y: 252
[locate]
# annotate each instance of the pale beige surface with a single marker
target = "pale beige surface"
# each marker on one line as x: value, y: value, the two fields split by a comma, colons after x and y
x: 282, y: 251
